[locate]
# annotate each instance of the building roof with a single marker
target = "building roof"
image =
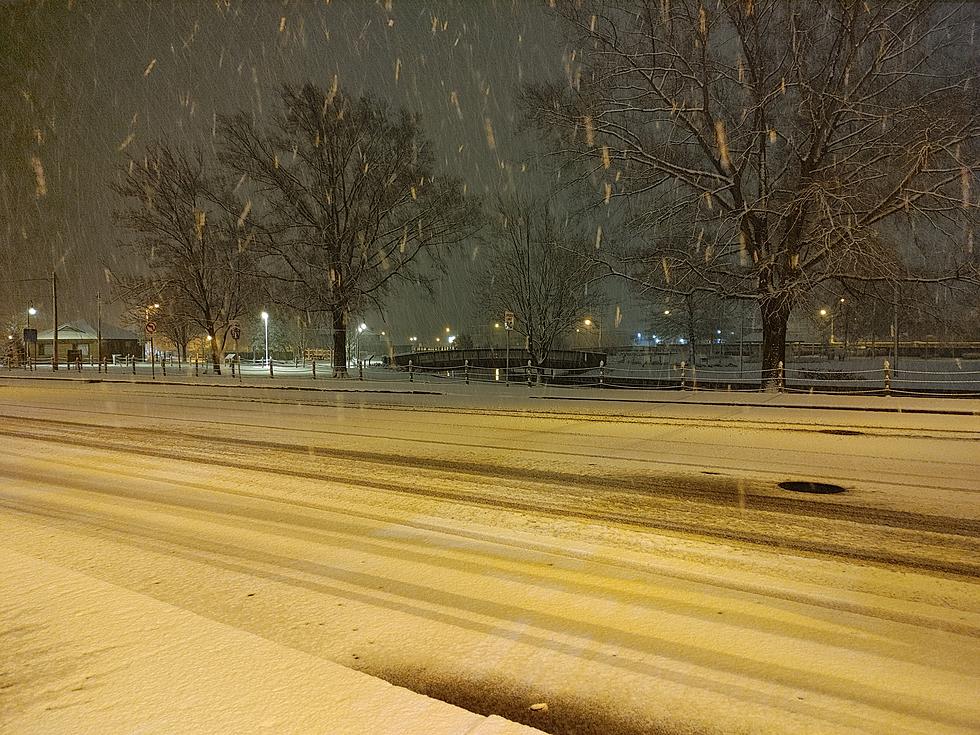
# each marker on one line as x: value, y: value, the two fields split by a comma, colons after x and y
x: 82, y: 331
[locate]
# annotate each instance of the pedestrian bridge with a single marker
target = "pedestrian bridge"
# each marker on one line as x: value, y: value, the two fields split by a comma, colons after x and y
x: 493, y: 357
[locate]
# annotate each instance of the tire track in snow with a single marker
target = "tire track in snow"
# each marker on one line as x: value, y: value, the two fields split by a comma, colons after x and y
x: 863, y: 528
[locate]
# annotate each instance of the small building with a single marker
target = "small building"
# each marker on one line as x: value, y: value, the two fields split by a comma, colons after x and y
x: 80, y: 339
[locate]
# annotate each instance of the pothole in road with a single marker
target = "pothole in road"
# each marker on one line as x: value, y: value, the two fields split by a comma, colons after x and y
x: 818, y: 488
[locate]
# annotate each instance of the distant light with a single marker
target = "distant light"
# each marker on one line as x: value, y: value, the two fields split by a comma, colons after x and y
x: 438, y: 339
x: 382, y: 334
x: 451, y: 338
x: 587, y: 322
x: 209, y: 338
x: 496, y: 325
x: 718, y: 330
x: 413, y: 339
x: 639, y: 336
x: 32, y: 311
x: 666, y: 312
x: 156, y: 306
x: 447, y: 330
x: 265, y: 316
x: 682, y: 341
x: 362, y: 326
x: 823, y: 312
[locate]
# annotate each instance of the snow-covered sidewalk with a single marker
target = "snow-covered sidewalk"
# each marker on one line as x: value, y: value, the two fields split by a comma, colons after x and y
x: 84, y: 656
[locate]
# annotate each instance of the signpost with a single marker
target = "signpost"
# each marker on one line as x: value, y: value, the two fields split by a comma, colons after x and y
x: 235, y: 331
x: 151, y: 328
x: 508, y: 326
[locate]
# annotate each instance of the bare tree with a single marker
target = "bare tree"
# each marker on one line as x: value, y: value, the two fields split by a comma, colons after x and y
x: 183, y: 225
x: 347, y: 201
x: 766, y: 147
x: 536, y: 267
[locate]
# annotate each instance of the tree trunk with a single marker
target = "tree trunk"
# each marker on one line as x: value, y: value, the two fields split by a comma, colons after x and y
x: 339, y: 343
x: 215, y: 355
x: 775, y: 316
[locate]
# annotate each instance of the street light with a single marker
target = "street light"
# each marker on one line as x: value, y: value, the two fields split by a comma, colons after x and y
x: 588, y: 322
x: 31, y: 311
x: 265, y: 320
x: 362, y: 327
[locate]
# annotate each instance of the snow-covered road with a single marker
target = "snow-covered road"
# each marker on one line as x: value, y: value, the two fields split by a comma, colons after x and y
x: 635, y: 566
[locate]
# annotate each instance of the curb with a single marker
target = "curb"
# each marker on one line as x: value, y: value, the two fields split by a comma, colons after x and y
x: 229, y: 385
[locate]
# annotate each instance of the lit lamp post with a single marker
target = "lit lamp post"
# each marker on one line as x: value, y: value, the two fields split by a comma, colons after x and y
x: 31, y: 311
x: 362, y: 327
x: 146, y: 321
x: 265, y: 320
x: 588, y: 322
x: 830, y: 336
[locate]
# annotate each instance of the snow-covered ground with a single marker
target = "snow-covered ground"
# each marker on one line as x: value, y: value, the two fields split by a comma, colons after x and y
x: 632, y: 564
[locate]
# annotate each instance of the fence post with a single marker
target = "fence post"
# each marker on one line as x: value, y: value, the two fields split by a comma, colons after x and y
x: 780, y: 378
x: 694, y: 376
x: 233, y: 368
x: 196, y: 367
x: 360, y: 369
x: 163, y: 364
x: 528, y: 373
x: 272, y: 372
x: 411, y: 374
x: 683, y: 375
x: 602, y: 372
x: 134, y: 365
x: 466, y: 370
x: 888, y: 378
x: 314, y: 369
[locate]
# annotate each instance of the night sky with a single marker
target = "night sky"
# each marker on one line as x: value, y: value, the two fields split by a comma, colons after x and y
x: 85, y: 84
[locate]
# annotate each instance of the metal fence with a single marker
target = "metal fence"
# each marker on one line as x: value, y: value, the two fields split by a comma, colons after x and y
x: 831, y: 379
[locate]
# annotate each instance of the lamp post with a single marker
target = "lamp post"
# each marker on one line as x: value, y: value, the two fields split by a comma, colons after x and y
x: 146, y: 321
x: 357, y: 342
x: 588, y: 322
x: 832, y: 313
x: 265, y: 320
x: 31, y: 311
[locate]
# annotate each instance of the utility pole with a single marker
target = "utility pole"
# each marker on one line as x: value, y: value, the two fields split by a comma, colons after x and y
x: 54, y: 298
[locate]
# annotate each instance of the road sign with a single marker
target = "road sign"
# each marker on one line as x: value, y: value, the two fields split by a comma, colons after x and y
x: 30, y: 336
x: 235, y: 332
x: 508, y: 320
x: 151, y: 327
